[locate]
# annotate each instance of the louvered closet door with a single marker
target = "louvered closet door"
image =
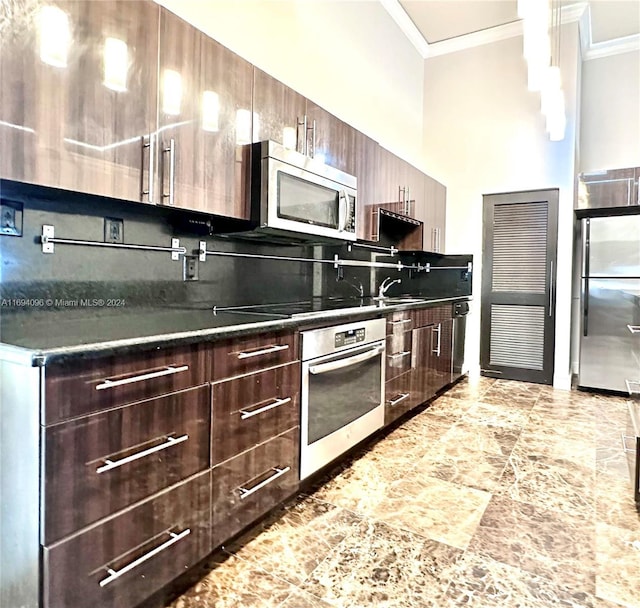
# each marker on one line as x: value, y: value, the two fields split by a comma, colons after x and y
x: 518, y: 285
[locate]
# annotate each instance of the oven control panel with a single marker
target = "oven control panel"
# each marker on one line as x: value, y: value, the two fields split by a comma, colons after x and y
x: 353, y: 336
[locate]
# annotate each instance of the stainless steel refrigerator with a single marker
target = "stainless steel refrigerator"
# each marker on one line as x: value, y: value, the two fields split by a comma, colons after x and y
x: 610, y: 303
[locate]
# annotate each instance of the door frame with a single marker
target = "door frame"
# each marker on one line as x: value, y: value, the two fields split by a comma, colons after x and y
x: 551, y: 197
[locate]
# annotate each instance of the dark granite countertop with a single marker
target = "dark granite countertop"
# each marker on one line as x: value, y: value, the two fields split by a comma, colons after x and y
x: 49, y: 335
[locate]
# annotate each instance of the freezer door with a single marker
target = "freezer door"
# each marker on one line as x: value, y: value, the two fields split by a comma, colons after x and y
x: 609, y: 350
x: 614, y: 246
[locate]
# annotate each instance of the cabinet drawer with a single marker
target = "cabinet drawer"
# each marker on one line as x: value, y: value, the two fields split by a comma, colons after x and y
x: 253, y: 353
x: 101, y: 463
x: 433, y: 315
x: 127, y: 558
x: 249, y: 485
x: 401, y: 395
x: 398, y: 354
x: 400, y: 321
x: 251, y: 409
x: 81, y: 387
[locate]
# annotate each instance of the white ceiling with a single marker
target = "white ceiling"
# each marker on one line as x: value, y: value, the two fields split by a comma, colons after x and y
x: 439, y: 20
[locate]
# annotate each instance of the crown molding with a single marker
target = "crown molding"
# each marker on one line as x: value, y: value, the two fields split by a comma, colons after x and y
x: 612, y: 47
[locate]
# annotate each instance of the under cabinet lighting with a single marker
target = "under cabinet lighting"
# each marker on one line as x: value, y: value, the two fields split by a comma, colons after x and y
x: 171, y: 92
x: 116, y: 64
x: 210, y: 111
x: 55, y: 36
x: 289, y: 138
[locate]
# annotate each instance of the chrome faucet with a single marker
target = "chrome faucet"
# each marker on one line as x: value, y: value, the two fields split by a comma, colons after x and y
x: 384, y: 287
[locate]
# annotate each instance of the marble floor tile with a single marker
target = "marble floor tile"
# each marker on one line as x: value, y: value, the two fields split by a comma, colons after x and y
x: 549, y: 482
x: 233, y: 583
x: 559, y: 449
x: 618, y: 564
x: 300, y: 599
x: 614, y: 502
x: 450, y: 408
x: 495, y: 413
x: 513, y: 394
x: 562, y: 424
x: 429, y: 426
x: 470, y: 389
x: 433, y: 508
x: 470, y: 455
x: 481, y: 582
x: 384, y: 567
x: 557, y: 546
x: 292, y: 543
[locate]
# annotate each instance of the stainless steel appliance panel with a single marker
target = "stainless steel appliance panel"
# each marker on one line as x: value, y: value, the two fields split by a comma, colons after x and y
x: 342, y: 394
x: 609, y: 352
x: 614, y: 246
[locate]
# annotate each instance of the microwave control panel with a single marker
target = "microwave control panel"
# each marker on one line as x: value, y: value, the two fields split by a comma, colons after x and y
x: 353, y: 336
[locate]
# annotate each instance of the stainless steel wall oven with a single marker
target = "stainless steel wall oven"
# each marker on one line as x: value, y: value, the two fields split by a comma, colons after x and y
x: 342, y: 390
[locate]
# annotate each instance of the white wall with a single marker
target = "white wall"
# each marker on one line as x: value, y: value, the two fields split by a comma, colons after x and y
x: 484, y: 134
x: 349, y: 57
x: 610, y: 123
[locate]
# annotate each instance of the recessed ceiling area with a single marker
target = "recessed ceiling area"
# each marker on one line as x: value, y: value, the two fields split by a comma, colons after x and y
x: 611, y: 19
x: 440, y: 20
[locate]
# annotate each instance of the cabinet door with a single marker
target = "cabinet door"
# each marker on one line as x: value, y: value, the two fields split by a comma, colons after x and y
x: 276, y: 107
x: 416, y: 205
x: 390, y: 176
x: 443, y: 351
x: 204, y: 117
x: 435, y: 195
x: 423, y: 363
x: 126, y: 558
x: 365, y: 172
x: 331, y: 139
x: 87, y: 78
x: 612, y: 188
x: 98, y: 464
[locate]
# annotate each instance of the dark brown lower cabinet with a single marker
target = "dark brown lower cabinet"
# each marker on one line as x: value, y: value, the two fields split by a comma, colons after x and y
x: 125, y: 559
x: 252, y: 483
x: 401, y: 396
x: 251, y: 409
x: 102, y: 463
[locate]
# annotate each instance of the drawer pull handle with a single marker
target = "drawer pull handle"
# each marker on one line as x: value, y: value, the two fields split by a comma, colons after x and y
x: 624, y: 443
x: 400, y: 322
x: 278, y: 472
x: 398, y: 355
x: 634, y: 329
x: 278, y: 402
x: 115, y: 574
x: 114, y: 464
x: 264, y: 351
x: 169, y: 370
x: 399, y: 399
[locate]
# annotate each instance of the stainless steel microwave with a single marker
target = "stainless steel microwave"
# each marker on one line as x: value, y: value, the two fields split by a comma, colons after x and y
x: 294, y: 195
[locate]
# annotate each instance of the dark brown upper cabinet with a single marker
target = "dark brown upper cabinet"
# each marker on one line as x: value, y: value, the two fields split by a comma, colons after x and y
x: 79, y: 95
x: 283, y: 115
x: 611, y: 188
x: 204, y: 118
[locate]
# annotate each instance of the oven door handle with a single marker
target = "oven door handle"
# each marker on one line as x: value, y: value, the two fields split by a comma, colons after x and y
x: 342, y: 363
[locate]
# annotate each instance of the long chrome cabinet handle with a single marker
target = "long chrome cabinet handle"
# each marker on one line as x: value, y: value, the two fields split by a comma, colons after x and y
x: 152, y: 153
x: 171, y: 150
x: 264, y: 351
x: 437, y: 330
x: 165, y: 372
x: 244, y: 414
x: 398, y: 355
x: 322, y: 368
x: 586, y: 268
x: 399, y: 399
x: 624, y: 443
x: 116, y: 574
x: 278, y: 472
x: 551, y: 289
x: 313, y: 139
x: 634, y: 329
x: 114, y: 464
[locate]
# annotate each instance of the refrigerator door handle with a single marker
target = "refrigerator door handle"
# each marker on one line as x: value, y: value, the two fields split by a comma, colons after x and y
x: 585, y: 262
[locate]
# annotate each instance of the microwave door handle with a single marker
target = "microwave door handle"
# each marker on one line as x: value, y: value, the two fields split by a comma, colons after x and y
x: 343, y: 210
